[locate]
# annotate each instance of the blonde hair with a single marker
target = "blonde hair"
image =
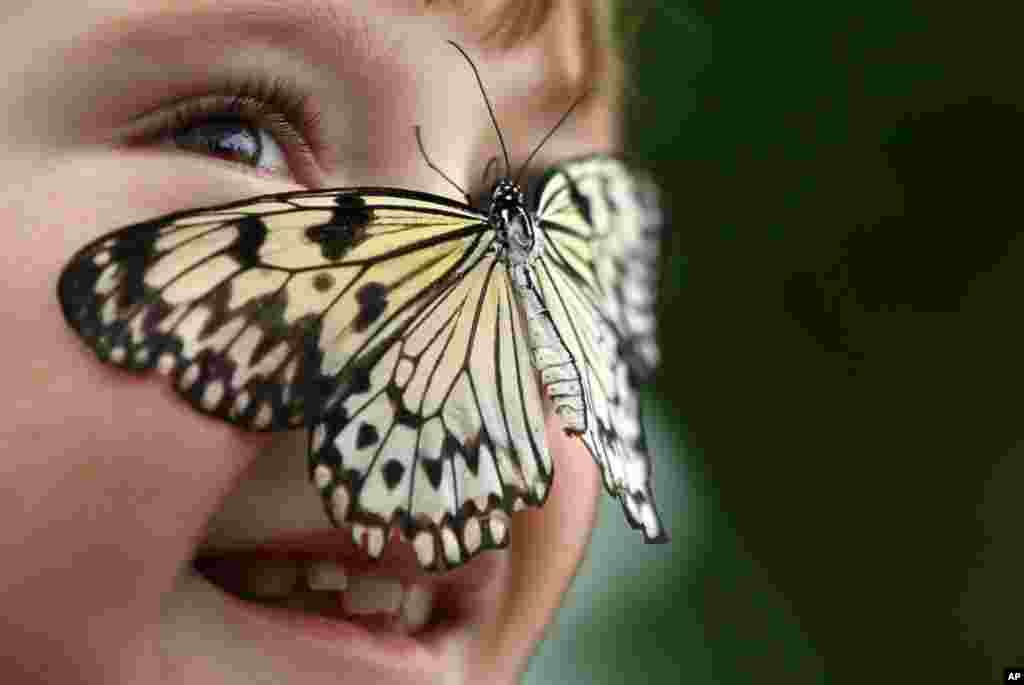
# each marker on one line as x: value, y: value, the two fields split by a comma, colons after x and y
x: 509, y: 22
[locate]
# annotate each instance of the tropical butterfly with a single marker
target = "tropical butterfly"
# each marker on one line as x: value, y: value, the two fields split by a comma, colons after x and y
x: 418, y: 339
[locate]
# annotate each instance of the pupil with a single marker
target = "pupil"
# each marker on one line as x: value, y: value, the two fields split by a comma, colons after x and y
x: 230, y: 140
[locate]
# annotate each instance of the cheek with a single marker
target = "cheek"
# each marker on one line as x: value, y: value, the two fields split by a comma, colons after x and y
x: 553, y: 539
x: 109, y: 480
x: 547, y: 547
x: 272, y: 498
x: 107, y: 477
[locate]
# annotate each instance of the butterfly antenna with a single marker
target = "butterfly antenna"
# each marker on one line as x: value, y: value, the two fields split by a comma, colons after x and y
x: 550, y: 133
x: 490, y: 110
x: 419, y: 141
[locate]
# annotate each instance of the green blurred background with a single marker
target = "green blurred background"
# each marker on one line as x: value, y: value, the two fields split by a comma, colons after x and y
x: 836, y: 419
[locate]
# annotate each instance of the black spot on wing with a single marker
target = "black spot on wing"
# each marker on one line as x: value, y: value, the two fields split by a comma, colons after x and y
x: 252, y: 234
x: 393, y: 471
x: 359, y: 380
x: 323, y: 282
x: 345, y: 230
x: 579, y: 200
x: 433, y: 468
x: 450, y: 447
x: 329, y: 392
x: 470, y: 453
x: 373, y: 300
x: 352, y: 204
x: 134, y: 250
x: 269, y: 312
x: 367, y: 436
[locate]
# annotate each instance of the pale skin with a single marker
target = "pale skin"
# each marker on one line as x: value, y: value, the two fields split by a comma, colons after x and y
x: 110, y: 483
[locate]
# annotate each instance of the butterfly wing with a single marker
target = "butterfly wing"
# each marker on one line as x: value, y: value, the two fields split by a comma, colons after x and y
x: 223, y: 298
x: 597, y: 277
x: 436, y: 426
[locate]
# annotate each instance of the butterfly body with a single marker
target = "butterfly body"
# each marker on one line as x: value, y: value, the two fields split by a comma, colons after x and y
x: 518, y: 240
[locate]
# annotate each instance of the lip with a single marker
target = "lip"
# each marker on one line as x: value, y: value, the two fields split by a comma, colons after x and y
x: 461, y: 596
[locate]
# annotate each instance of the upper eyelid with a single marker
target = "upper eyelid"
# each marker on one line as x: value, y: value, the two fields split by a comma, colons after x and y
x: 276, y: 91
x: 273, y: 105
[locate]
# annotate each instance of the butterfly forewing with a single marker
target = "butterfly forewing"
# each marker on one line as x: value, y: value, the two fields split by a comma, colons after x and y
x: 222, y: 298
x: 597, y: 279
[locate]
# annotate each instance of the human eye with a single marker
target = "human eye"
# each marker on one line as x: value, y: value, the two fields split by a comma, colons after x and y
x: 266, y: 126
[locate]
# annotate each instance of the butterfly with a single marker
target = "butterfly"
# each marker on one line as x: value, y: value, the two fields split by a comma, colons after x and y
x: 421, y: 341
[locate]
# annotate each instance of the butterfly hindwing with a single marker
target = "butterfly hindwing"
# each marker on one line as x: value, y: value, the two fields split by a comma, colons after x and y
x: 442, y: 436
x: 597, y: 278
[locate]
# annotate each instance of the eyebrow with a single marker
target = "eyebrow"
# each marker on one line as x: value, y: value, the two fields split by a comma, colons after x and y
x: 318, y: 27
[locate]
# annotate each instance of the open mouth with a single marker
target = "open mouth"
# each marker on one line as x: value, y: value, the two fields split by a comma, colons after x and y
x: 321, y: 585
x: 324, y: 587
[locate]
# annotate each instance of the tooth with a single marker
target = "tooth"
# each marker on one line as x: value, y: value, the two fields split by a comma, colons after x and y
x: 472, y: 535
x: 423, y: 543
x: 366, y: 595
x: 499, y: 529
x: 375, y: 542
x: 326, y: 575
x: 321, y: 474
x: 269, y: 579
x: 369, y: 538
x: 450, y: 545
x: 416, y: 608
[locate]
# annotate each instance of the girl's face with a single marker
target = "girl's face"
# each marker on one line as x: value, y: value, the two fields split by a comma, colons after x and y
x: 112, y: 484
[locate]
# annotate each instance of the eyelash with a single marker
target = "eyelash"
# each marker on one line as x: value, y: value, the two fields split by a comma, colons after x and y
x: 275, y: 105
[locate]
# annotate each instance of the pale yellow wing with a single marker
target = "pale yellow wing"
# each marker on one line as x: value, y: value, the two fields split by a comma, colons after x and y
x: 435, y: 425
x: 223, y: 299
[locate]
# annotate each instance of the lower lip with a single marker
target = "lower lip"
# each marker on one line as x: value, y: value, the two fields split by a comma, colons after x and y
x: 308, y: 637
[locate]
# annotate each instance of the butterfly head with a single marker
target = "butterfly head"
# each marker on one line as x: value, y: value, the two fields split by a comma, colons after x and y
x: 513, y: 222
